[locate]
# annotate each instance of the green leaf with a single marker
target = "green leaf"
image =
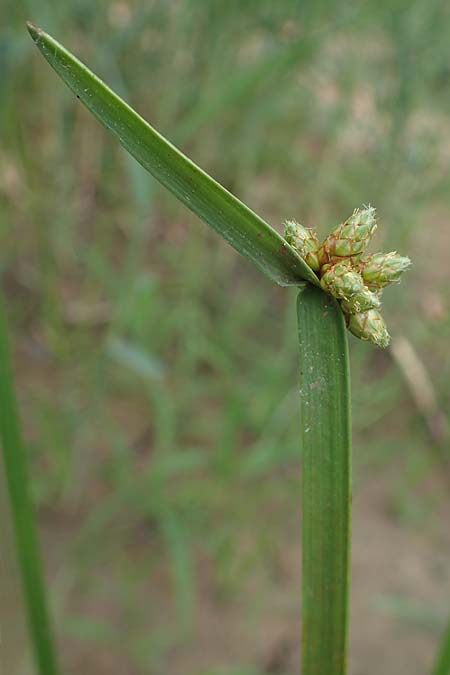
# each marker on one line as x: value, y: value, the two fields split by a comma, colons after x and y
x: 19, y: 493
x: 242, y: 228
x: 326, y: 451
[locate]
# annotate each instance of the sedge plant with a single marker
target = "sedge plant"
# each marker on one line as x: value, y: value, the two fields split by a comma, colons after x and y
x: 340, y: 287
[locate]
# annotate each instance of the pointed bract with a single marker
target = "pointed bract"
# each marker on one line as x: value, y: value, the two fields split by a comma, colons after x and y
x: 249, y: 234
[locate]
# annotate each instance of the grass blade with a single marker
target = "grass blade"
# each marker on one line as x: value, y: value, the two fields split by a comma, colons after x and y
x: 15, y: 647
x: 22, y: 513
x: 326, y: 448
x: 242, y: 228
x: 442, y: 665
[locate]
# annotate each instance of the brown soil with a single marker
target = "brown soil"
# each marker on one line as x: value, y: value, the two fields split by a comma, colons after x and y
x: 401, y: 586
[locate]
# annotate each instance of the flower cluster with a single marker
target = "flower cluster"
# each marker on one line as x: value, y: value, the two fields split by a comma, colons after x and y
x: 355, y: 280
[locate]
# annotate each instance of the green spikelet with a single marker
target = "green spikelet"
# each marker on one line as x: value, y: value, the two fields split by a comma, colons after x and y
x: 351, y: 238
x: 346, y: 284
x: 381, y: 269
x: 355, y: 281
x: 341, y: 280
x: 304, y: 240
x: 361, y: 302
x: 369, y: 326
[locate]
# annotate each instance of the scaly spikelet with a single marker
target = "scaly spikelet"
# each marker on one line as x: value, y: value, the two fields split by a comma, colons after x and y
x: 304, y: 240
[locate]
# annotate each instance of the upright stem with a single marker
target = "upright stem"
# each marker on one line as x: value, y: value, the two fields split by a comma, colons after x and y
x: 22, y: 512
x: 326, y: 451
x: 442, y: 665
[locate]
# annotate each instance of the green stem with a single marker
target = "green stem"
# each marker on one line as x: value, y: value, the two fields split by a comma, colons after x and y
x: 18, y: 488
x: 326, y: 448
x: 442, y: 665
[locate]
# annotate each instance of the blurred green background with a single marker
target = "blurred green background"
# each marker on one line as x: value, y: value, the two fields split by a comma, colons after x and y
x: 157, y: 370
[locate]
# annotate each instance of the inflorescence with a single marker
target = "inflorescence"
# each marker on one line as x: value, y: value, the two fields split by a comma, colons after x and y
x: 355, y: 280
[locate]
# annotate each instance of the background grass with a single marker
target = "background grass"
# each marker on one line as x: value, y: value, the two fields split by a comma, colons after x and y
x: 157, y: 371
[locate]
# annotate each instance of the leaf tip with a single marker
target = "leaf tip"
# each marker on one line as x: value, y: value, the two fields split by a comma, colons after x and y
x: 34, y: 31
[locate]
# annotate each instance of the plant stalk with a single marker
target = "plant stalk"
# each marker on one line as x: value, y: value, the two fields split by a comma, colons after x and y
x: 442, y: 665
x: 18, y: 489
x: 326, y: 509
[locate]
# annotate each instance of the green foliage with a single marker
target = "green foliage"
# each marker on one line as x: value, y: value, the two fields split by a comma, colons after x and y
x: 242, y: 228
x: 324, y: 376
x: 93, y: 249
